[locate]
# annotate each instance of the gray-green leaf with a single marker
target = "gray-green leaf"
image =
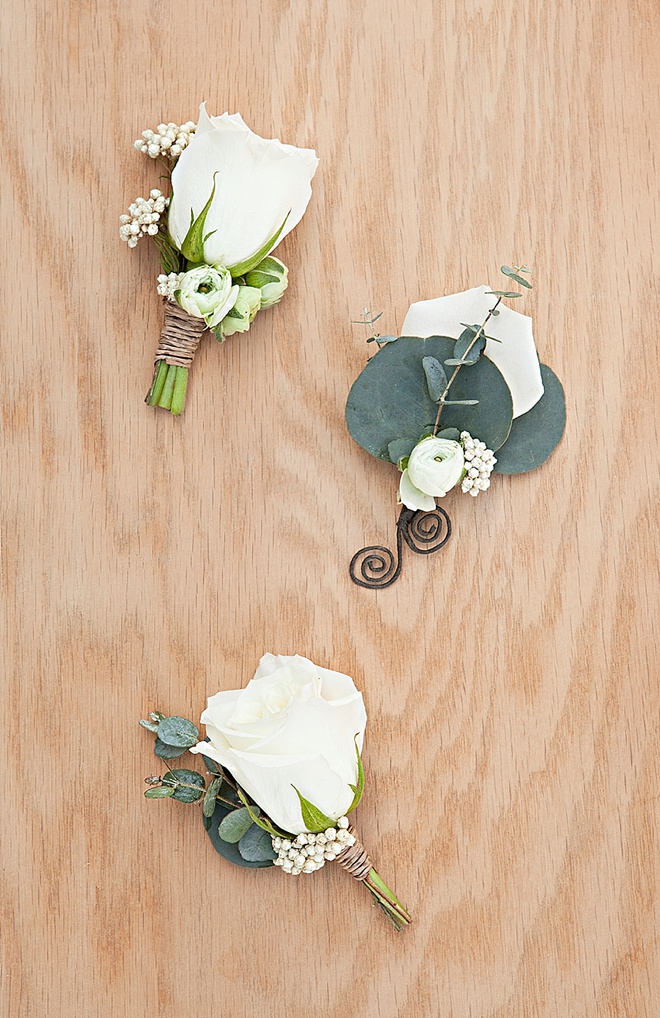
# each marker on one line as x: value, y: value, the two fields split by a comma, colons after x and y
x: 436, y: 379
x: 151, y: 726
x: 256, y: 845
x: 162, y: 792
x: 399, y: 449
x: 513, y: 275
x: 165, y: 752
x: 188, y: 785
x: 179, y: 732
x: 464, y: 342
x: 451, y: 434
x: 208, y: 806
x: 535, y: 434
x: 234, y: 826
x: 225, y: 848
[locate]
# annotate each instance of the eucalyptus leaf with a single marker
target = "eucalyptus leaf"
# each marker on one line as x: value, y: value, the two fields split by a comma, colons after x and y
x: 228, y: 851
x: 208, y: 806
x: 459, y: 402
x: 389, y: 399
x: 465, y: 341
x: 162, y: 792
x: 451, y: 434
x: 151, y: 726
x: 165, y: 752
x: 385, y: 339
x: 256, y: 845
x: 436, y: 379
x: 234, y: 825
x: 179, y: 732
x: 503, y: 293
x: 535, y: 434
x: 313, y: 819
x: 188, y: 785
x: 399, y: 449
x: 513, y: 275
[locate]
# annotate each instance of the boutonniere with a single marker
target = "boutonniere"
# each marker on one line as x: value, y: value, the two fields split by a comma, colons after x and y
x: 284, y: 772
x: 233, y: 197
x: 459, y: 396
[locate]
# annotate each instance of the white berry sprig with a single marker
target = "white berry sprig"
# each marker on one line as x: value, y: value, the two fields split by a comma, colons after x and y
x: 479, y: 463
x: 143, y: 217
x: 168, y: 140
x: 310, y: 852
x: 169, y: 284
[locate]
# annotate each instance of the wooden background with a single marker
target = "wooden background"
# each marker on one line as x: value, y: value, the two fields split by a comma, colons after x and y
x: 511, y: 682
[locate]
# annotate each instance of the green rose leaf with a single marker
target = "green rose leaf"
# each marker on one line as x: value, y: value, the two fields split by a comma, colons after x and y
x: 165, y: 752
x: 192, y: 248
x: 178, y: 732
x: 535, y: 434
x: 256, y: 846
x: 389, y: 399
x: 162, y: 792
x: 234, y: 825
x: 227, y: 850
x: 359, y: 788
x: 314, y: 820
x: 188, y: 786
x: 242, y: 268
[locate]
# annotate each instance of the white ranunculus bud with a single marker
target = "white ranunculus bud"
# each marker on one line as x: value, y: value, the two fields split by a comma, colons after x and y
x: 294, y: 724
x: 207, y: 292
x: 256, y: 191
x: 270, y: 276
x: 243, y: 313
x: 434, y: 467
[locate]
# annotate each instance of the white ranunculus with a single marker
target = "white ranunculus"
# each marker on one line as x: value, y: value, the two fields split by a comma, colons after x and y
x: 515, y: 355
x: 207, y: 292
x: 259, y: 185
x: 434, y: 467
x: 271, y: 277
x: 242, y: 314
x: 294, y: 724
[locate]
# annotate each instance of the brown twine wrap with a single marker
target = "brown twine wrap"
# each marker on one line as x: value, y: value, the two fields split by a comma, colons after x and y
x: 354, y: 859
x: 180, y: 336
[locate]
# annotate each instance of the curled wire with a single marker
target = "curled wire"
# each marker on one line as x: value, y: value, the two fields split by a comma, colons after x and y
x: 376, y: 567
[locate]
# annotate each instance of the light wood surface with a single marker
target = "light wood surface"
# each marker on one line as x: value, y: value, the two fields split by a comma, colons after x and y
x: 511, y: 681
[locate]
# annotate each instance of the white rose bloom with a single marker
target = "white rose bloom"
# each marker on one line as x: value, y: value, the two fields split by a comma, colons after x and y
x: 434, y: 467
x: 294, y: 724
x: 207, y: 292
x: 259, y: 185
x: 515, y: 355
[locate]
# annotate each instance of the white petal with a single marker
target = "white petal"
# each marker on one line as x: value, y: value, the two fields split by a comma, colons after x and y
x: 515, y: 356
x: 412, y: 497
x: 259, y: 183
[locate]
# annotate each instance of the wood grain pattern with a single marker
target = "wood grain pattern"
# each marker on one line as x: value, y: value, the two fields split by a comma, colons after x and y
x: 511, y: 682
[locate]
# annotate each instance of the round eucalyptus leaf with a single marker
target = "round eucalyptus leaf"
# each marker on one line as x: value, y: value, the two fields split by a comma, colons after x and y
x: 182, y: 779
x: 161, y: 792
x: 256, y: 845
x: 178, y: 732
x: 223, y: 848
x: 234, y: 825
x: 535, y: 434
x: 390, y: 400
x: 166, y: 752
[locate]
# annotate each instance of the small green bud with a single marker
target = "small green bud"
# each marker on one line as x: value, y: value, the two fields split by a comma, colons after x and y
x: 243, y: 313
x: 270, y: 276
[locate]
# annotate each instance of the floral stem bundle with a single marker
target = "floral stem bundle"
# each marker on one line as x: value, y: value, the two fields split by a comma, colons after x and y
x: 284, y: 770
x: 234, y: 197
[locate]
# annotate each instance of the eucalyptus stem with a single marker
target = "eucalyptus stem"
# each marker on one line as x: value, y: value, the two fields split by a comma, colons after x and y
x: 459, y: 366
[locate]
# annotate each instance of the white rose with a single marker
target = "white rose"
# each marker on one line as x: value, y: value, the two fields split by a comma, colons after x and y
x: 434, y: 467
x: 207, y: 292
x: 258, y: 185
x: 294, y: 724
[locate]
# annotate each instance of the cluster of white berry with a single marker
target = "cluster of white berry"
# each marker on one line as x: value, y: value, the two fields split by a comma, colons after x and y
x: 143, y: 217
x: 479, y: 463
x: 168, y: 284
x: 310, y: 852
x: 168, y: 140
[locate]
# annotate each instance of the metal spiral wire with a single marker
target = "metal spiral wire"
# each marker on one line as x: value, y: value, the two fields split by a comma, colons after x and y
x: 376, y: 567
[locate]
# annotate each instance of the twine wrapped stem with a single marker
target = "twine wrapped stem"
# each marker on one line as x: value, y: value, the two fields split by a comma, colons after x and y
x: 356, y: 861
x: 179, y: 340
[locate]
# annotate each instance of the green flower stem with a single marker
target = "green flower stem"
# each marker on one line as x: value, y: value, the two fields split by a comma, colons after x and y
x: 179, y: 392
x: 165, y: 400
x: 156, y: 390
x: 387, y: 900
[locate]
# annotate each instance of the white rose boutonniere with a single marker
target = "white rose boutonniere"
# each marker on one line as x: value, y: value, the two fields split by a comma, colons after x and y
x: 284, y: 756
x: 234, y: 197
